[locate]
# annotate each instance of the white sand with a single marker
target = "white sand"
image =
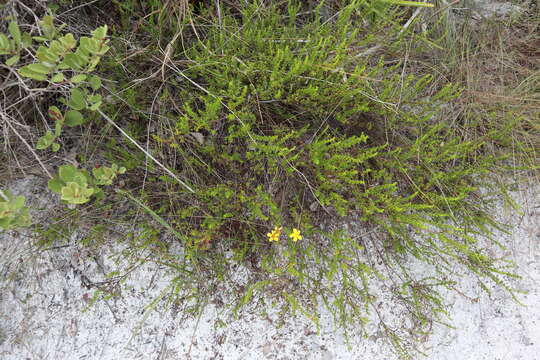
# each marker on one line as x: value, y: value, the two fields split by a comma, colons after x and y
x: 42, y: 315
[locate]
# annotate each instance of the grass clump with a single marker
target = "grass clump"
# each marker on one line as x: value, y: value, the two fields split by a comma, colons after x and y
x: 273, y: 131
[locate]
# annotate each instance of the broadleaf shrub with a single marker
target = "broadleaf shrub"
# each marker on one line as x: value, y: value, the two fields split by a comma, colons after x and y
x: 13, y: 212
x: 77, y: 186
x: 56, y: 58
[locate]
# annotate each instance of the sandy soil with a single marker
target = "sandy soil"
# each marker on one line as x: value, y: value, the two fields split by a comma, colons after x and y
x: 45, y: 310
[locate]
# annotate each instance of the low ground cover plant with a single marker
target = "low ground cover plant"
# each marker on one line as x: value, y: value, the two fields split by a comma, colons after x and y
x: 262, y: 129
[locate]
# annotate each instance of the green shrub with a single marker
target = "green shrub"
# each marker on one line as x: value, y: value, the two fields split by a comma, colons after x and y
x: 277, y: 120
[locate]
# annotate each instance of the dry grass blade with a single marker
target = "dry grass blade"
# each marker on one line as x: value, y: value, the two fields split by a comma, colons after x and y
x: 126, y: 135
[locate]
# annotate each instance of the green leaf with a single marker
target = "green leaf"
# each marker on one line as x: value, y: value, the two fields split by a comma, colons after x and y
x: 57, y: 49
x: 68, y: 173
x: 55, y: 184
x: 15, y: 33
x: 95, y: 101
x: 55, y: 147
x: 57, y: 78
x: 78, y: 78
x: 5, y: 223
x: 104, y: 176
x: 40, y: 68
x: 89, y: 45
x: 55, y: 113
x: 5, y: 209
x: 68, y: 41
x: 75, y: 193
x: 13, y: 213
x: 82, y: 54
x: 98, y: 193
x: 39, y: 38
x: 5, y: 45
x: 47, y: 21
x: 95, y: 106
x: 26, y: 40
x: 17, y: 203
x: 58, y: 127
x: 103, y: 50
x: 12, y: 60
x: 72, y: 61
x: 45, y: 141
x: 26, y: 72
x: 45, y: 54
x: 73, y: 118
x: 7, y: 194
x: 36, y: 71
x: 94, y: 98
x: 76, y: 102
x: 100, y: 32
x: 47, y: 25
x: 95, y: 82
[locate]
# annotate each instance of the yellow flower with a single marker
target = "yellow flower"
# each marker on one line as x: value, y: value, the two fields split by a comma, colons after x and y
x: 275, y: 234
x: 295, y: 235
x: 272, y: 236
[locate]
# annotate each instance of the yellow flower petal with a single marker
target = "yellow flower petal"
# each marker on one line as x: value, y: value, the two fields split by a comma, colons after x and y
x: 275, y: 234
x: 295, y: 235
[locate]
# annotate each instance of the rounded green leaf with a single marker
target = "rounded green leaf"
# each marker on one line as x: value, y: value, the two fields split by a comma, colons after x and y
x: 5, y: 45
x: 48, y: 55
x: 54, y: 113
x: 74, y: 193
x: 12, y: 60
x: 57, y: 78
x: 95, y: 102
x: 18, y: 203
x: 45, y: 141
x: 15, y: 32
x: 74, y: 118
x: 68, y: 41
x: 25, y: 71
x: 76, y: 102
x: 26, y: 40
x: 39, y: 68
x: 13, y: 213
x: 103, y: 175
x: 78, y: 78
x: 72, y: 61
x: 100, y: 32
x: 95, y: 82
x: 55, y: 184
x: 68, y: 173
x: 89, y: 45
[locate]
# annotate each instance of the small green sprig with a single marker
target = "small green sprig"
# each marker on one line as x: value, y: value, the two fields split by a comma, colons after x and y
x: 13, y: 213
x: 106, y: 175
